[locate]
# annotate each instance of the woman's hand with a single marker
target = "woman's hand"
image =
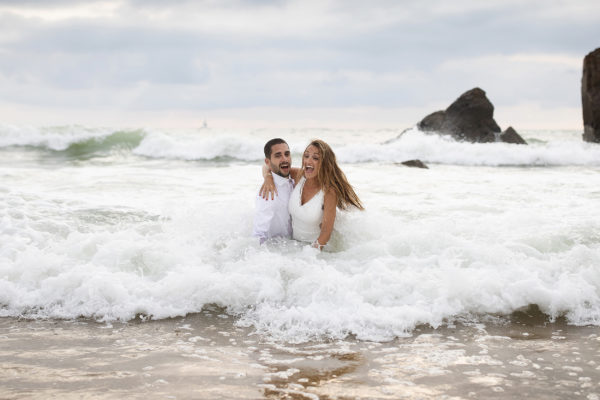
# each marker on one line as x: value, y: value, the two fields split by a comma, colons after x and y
x: 317, y: 245
x: 268, y: 188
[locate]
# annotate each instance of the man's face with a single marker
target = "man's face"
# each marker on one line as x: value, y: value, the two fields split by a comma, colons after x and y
x: 281, y: 160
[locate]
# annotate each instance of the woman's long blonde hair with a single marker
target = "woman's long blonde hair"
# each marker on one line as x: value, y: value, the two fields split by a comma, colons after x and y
x: 331, y: 176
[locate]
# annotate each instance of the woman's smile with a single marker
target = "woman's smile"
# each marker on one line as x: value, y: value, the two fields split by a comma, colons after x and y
x: 311, y: 161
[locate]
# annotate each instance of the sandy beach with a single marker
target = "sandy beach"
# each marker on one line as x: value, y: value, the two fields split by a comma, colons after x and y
x: 206, y: 356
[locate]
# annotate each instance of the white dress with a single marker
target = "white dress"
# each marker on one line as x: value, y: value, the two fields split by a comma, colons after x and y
x: 307, y: 217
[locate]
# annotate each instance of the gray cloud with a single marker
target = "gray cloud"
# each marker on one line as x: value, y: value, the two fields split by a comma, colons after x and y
x: 250, y: 54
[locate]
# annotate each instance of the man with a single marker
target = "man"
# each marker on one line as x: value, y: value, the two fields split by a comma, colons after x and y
x: 272, y: 218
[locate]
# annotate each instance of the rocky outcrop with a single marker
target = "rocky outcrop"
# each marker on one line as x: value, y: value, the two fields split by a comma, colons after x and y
x: 470, y: 118
x: 414, y: 164
x: 511, y: 136
x: 590, y: 96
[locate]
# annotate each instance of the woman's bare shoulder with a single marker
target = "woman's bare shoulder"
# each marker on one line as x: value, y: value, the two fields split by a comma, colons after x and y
x: 330, y: 192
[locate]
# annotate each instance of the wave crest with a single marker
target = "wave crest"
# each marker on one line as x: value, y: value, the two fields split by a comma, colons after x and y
x: 545, y: 148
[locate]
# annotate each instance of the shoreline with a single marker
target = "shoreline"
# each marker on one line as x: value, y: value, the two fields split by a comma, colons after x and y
x: 205, y: 355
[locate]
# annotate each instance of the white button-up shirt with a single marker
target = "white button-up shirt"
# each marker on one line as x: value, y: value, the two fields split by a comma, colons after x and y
x: 272, y: 217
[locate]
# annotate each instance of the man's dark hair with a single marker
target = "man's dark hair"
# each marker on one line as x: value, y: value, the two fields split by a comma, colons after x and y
x: 270, y: 144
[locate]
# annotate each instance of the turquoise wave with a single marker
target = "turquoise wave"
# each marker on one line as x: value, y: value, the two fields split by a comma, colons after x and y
x: 98, y: 146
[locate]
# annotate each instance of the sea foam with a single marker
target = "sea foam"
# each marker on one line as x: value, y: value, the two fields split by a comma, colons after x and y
x: 383, y: 276
x: 433, y: 148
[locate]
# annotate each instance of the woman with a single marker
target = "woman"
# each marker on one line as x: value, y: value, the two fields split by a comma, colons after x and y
x: 321, y: 188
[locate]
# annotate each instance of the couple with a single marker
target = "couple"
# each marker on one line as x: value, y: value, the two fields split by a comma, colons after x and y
x: 304, y: 210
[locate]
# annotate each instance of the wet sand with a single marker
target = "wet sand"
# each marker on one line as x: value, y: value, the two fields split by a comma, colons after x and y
x: 205, y: 356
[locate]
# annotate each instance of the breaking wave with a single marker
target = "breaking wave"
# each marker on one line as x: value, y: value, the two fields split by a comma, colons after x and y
x: 379, y: 282
x: 221, y: 145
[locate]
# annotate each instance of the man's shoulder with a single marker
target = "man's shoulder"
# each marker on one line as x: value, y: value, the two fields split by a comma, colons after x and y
x: 281, y: 180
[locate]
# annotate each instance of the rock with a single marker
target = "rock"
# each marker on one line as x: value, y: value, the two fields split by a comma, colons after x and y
x: 590, y: 96
x: 433, y: 122
x: 511, y: 136
x: 469, y: 118
x: 414, y: 164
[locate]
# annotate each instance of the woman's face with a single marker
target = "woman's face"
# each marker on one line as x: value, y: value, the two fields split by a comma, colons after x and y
x: 311, y: 162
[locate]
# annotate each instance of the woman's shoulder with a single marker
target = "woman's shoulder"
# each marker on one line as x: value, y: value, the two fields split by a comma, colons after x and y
x: 329, y: 191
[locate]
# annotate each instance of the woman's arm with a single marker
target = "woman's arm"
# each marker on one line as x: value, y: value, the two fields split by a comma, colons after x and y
x: 296, y: 174
x: 329, y: 210
x: 268, y: 189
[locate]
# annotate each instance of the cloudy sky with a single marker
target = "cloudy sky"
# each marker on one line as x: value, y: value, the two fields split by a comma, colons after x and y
x: 254, y: 63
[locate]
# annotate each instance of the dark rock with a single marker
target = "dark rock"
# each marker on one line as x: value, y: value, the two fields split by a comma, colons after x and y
x: 590, y: 96
x: 511, y: 136
x: 469, y: 118
x: 414, y: 164
x: 433, y: 122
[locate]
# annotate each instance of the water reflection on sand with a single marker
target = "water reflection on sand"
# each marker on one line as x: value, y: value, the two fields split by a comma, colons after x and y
x: 206, y: 355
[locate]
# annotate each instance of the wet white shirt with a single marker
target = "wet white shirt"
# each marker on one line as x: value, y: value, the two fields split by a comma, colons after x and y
x: 272, y: 218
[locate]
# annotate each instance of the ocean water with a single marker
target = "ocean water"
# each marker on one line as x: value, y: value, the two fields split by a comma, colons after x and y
x: 118, y: 224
